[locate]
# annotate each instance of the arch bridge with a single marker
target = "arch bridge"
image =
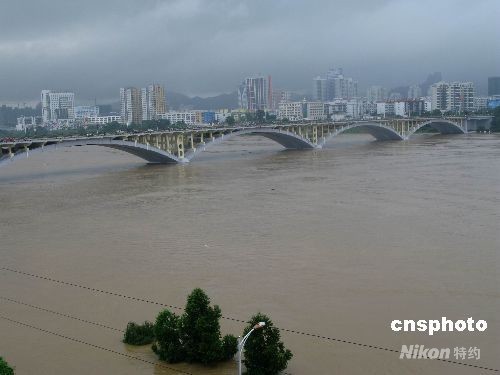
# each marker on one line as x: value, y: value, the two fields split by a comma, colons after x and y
x: 183, y: 146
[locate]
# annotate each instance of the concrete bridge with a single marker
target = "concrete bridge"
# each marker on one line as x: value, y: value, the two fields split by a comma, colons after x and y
x: 183, y: 146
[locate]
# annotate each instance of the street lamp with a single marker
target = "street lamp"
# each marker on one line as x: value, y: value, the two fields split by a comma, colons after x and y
x: 243, y: 340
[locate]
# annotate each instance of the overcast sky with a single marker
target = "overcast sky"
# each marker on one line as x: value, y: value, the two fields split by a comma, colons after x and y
x: 204, y: 47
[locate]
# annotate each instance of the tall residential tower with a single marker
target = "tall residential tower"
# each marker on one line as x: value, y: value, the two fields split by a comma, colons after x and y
x: 57, y: 106
x: 153, y: 102
x: 131, y: 105
x: 255, y: 93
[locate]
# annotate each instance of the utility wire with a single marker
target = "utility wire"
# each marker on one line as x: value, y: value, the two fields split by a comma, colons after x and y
x: 68, y: 316
x: 333, y: 339
x: 93, y: 345
x: 60, y: 314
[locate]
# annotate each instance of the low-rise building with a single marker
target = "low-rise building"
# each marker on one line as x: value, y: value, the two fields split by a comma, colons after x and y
x: 291, y: 111
x: 314, y: 111
x: 102, y: 120
x: 386, y: 109
x: 26, y: 122
x: 480, y: 103
x: 86, y: 111
x: 189, y: 118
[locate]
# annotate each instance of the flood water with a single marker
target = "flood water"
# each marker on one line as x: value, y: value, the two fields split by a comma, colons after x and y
x: 336, y: 242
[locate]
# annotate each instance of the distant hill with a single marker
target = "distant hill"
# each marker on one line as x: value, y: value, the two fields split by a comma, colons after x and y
x: 9, y: 115
x: 177, y: 101
x: 424, y: 86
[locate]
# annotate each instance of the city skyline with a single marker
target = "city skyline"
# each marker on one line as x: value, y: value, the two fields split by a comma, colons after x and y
x: 205, y: 60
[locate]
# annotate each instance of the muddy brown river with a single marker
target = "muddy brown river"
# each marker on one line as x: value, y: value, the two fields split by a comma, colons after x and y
x: 336, y: 242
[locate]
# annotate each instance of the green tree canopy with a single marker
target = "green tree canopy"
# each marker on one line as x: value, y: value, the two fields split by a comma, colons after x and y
x: 230, y: 120
x: 200, y: 329
x: 265, y: 353
x: 139, y: 334
x: 5, y: 369
x: 168, y: 344
x: 195, y: 336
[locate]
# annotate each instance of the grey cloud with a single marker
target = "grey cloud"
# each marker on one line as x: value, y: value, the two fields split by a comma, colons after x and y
x: 207, y: 46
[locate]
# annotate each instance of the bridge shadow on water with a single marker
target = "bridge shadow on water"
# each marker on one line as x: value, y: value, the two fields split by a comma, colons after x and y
x: 90, y: 161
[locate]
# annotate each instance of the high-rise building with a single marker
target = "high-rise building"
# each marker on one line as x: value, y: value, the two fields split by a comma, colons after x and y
x: 376, y: 94
x: 320, y: 89
x: 131, y: 105
x: 493, y: 86
x: 461, y: 96
x: 334, y: 86
x: 57, y: 106
x: 255, y: 93
x: 280, y: 96
x: 456, y: 97
x: 152, y: 101
x: 440, y: 96
x: 414, y: 92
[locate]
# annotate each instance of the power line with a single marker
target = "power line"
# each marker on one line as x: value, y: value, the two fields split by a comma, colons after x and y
x: 93, y: 345
x: 91, y: 289
x: 69, y: 316
x: 333, y: 339
x: 60, y: 314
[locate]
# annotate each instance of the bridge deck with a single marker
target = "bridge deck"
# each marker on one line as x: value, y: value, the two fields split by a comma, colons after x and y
x: 182, y: 145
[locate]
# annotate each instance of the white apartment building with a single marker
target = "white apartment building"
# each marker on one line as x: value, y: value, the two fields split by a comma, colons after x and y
x: 189, y: 118
x: 25, y: 122
x: 440, y: 96
x: 461, y: 97
x: 401, y: 109
x: 296, y: 111
x: 455, y: 97
x: 292, y: 111
x: 102, y: 120
x: 355, y: 108
x: 386, y: 109
x: 314, y: 110
x: 57, y: 106
x: 427, y: 105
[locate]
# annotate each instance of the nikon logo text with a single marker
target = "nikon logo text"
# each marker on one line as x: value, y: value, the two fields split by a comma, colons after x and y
x: 421, y: 352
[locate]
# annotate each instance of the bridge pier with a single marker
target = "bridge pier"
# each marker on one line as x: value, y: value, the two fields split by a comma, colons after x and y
x: 315, y: 135
x: 180, y: 146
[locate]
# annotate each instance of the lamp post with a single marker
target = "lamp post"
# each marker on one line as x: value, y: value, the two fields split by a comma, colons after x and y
x: 243, y: 340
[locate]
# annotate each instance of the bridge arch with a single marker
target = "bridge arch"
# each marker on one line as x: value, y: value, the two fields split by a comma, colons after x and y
x: 285, y: 138
x: 443, y: 126
x: 379, y: 131
x: 147, y: 152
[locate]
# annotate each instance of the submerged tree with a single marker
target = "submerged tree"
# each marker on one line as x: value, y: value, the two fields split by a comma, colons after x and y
x: 265, y: 353
x: 5, y: 369
x: 139, y: 334
x: 168, y: 343
x: 195, y: 336
x: 200, y: 330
